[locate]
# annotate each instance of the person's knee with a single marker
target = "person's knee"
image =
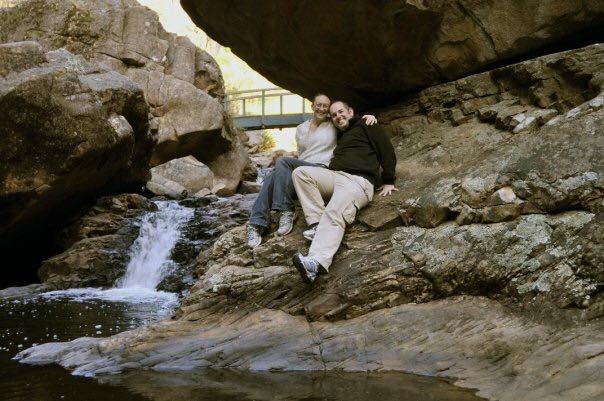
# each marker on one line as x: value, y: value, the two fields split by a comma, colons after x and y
x: 300, y: 173
x: 281, y: 162
x: 285, y: 162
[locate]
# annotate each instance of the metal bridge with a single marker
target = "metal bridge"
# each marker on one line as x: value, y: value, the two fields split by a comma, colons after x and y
x: 267, y: 108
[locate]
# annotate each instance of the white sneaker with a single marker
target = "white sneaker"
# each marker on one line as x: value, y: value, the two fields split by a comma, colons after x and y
x: 307, y: 267
x: 253, y: 236
x: 286, y: 223
x: 310, y: 233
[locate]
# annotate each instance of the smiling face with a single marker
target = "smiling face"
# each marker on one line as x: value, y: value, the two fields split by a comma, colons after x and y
x: 320, y: 107
x: 341, y: 114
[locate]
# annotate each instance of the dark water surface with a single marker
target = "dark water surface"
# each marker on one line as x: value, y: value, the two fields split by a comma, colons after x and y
x: 37, y: 320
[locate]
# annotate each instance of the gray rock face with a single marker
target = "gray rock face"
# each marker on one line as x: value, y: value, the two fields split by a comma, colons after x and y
x: 370, y: 52
x: 486, y: 266
x: 182, y: 84
x: 71, y: 130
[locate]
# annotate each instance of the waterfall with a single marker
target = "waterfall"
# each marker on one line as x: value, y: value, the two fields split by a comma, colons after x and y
x: 150, y: 253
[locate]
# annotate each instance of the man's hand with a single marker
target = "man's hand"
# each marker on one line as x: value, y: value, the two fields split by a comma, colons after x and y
x: 369, y: 119
x: 387, y: 189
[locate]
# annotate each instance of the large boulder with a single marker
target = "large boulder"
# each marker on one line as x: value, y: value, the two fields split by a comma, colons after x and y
x: 71, y: 130
x: 182, y: 83
x: 372, y: 51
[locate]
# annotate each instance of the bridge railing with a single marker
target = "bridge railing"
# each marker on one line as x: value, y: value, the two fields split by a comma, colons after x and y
x: 265, y: 104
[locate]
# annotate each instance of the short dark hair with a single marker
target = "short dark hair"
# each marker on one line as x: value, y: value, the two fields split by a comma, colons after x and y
x: 341, y: 101
x: 319, y: 94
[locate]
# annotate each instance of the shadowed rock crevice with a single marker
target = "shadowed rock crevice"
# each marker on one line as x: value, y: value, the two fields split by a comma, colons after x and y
x: 73, y: 130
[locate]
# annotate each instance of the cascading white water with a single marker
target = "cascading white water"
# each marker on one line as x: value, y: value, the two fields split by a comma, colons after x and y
x: 150, y: 253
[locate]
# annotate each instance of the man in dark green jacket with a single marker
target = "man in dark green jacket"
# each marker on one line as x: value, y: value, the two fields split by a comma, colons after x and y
x: 362, y: 160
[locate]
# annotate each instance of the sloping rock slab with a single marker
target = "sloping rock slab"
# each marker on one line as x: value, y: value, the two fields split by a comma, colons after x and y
x: 472, y: 339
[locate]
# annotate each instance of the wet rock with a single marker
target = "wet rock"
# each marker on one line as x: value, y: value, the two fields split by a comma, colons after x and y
x: 97, y: 245
x: 286, y: 385
x: 212, y: 217
x: 24, y: 291
x: 404, y: 46
x: 473, y: 339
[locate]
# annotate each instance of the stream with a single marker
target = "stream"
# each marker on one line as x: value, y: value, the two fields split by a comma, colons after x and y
x: 133, y: 302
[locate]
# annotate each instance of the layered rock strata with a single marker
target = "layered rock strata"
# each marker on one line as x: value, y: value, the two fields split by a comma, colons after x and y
x: 369, y: 52
x: 486, y: 266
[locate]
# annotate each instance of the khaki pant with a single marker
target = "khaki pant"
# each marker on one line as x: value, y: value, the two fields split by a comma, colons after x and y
x: 347, y: 194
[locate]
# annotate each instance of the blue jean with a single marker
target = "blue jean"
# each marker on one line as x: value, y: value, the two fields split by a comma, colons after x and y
x: 277, y: 192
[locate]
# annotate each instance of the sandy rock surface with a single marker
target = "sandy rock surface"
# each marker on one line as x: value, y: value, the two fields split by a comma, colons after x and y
x: 180, y: 177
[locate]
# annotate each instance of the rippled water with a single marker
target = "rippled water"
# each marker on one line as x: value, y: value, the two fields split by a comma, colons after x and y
x: 64, y: 316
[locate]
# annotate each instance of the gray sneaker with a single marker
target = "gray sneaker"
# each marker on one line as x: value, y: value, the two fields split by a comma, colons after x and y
x: 254, y: 238
x: 310, y: 233
x: 286, y: 223
x: 307, y: 267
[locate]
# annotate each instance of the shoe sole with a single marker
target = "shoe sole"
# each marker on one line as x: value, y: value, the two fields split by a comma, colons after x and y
x: 300, y: 267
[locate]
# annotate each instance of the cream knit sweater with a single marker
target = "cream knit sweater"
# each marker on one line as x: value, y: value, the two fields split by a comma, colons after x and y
x: 316, y: 147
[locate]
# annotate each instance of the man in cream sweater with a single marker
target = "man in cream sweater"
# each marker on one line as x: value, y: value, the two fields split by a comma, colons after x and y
x: 316, y: 140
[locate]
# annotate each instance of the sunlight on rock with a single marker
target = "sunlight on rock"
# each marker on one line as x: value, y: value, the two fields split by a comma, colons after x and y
x: 237, y: 74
